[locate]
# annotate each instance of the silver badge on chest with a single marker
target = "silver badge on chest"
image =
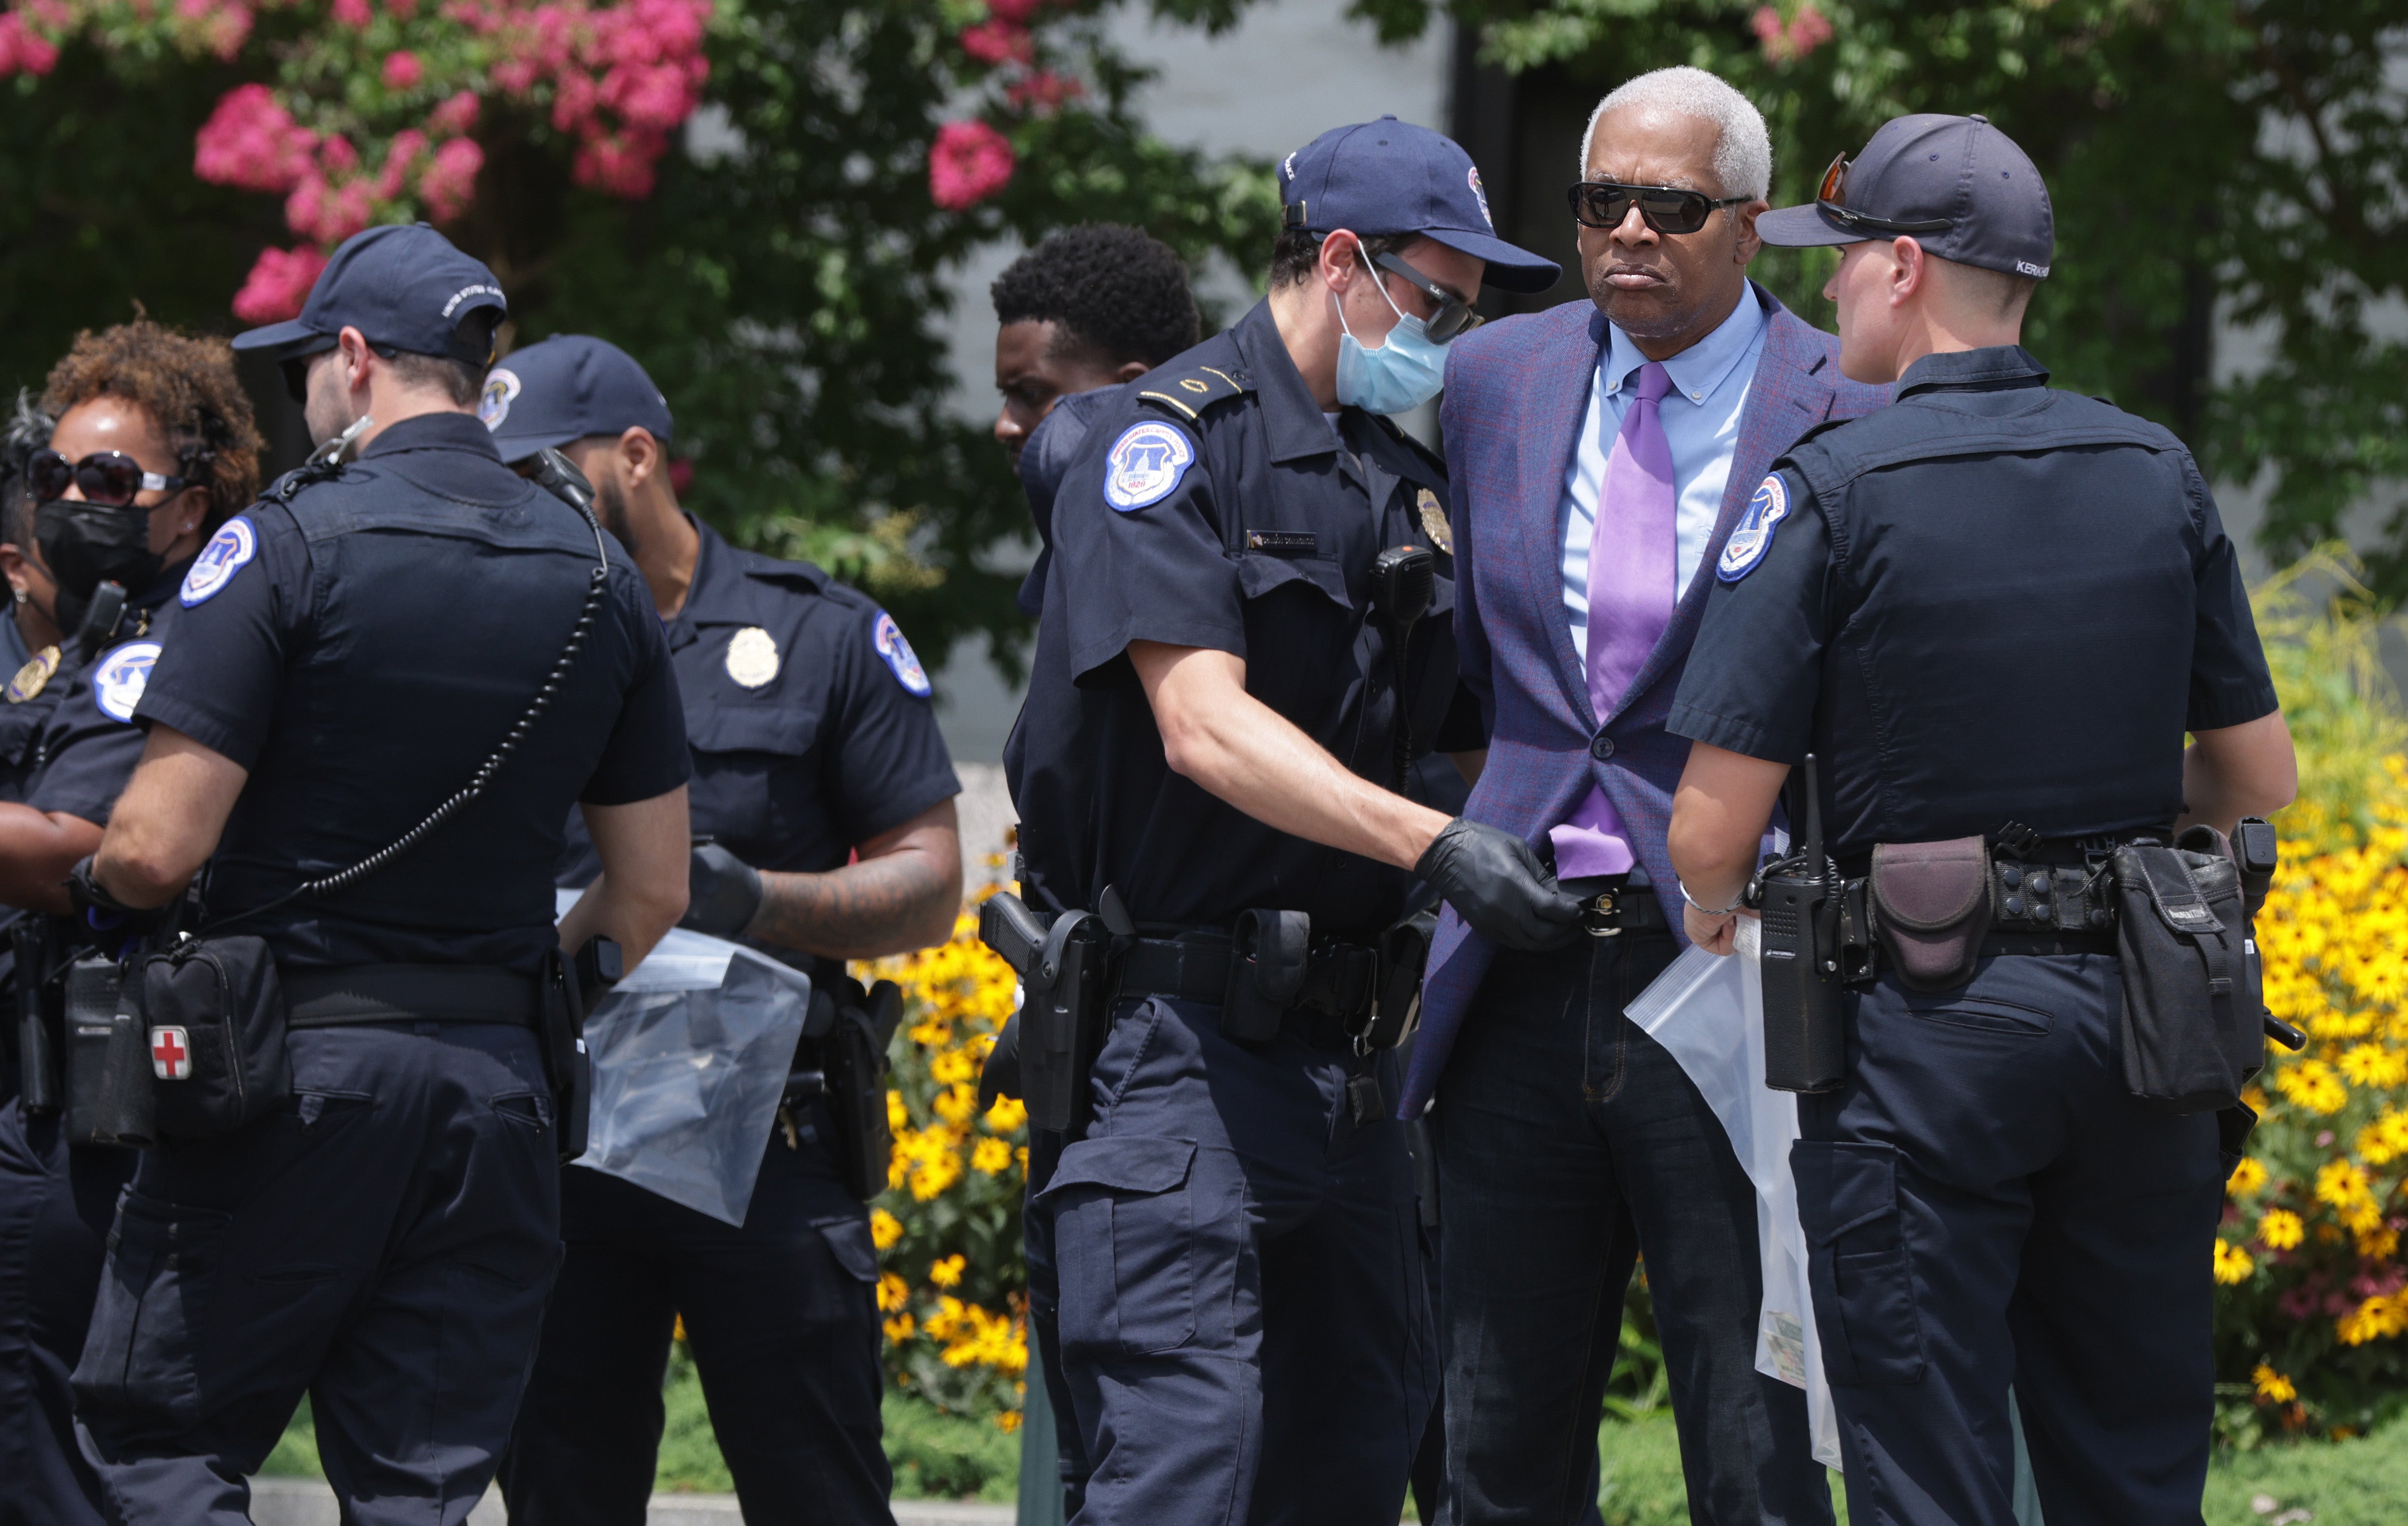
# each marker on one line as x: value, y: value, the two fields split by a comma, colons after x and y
x: 753, y: 657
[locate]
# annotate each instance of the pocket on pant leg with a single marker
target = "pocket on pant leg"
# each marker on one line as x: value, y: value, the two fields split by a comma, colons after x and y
x: 1857, y: 1261
x: 141, y: 1359
x: 1124, y: 1243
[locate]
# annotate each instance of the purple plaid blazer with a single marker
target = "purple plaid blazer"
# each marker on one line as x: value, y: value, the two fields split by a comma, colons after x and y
x: 1516, y: 392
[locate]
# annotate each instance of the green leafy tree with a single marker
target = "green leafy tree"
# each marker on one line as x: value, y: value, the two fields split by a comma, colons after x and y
x: 785, y: 285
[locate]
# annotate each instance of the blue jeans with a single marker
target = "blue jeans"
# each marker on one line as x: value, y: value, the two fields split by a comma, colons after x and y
x: 1569, y: 1144
x: 1985, y: 1203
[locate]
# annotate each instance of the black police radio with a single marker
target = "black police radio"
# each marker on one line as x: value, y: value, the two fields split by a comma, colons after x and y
x: 1801, y: 898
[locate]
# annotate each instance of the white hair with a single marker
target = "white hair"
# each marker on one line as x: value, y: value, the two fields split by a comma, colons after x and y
x: 1742, y: 147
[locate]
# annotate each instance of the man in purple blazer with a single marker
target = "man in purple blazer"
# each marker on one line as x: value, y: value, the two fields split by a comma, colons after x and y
x: 1600, y: 453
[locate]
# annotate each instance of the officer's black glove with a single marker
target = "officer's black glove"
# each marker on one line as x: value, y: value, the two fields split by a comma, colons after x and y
x: 1498, y: 884
x: 96, y: 909
x: 723, y: 892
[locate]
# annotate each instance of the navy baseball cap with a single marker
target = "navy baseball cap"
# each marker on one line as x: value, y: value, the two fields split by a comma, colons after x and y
x: 565, y: 389
x: 1957, y: 185
x: 404, y: 287
x: 1390, y: 176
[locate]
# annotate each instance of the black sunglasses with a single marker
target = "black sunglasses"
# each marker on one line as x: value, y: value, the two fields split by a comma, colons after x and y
x: 1832, y: 199
x: 1666, y: 209
x: 109, y: 478
x: 1454, y: 316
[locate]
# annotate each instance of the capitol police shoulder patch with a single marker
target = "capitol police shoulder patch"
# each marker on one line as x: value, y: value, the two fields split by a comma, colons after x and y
x: 897, y: 654
x: 1145, y: 464
x: 1752, y: 537
x: 228, y: 553
x: 119, y: 678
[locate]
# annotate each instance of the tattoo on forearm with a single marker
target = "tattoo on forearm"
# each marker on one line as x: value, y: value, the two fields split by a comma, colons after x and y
x: 876, y: 907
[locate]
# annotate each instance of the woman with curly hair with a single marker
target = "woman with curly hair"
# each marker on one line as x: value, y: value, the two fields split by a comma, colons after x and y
x: 154, y: 447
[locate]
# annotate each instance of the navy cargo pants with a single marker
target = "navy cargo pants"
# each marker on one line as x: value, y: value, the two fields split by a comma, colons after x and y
x: 384, y: 1244
x: 1226, y: 1276
x: 1986, y: 1204
x: 55, y: 1205
x: 782, y: 1315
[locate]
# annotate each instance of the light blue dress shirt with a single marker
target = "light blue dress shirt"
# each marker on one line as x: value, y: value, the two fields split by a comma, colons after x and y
x: 1701, y: 414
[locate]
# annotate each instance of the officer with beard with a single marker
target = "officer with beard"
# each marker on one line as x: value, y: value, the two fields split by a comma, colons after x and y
x: 814, y: 742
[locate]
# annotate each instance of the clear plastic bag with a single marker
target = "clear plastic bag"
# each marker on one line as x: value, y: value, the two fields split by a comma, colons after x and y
x: 691, y: 1052
x: 1708, y: 1012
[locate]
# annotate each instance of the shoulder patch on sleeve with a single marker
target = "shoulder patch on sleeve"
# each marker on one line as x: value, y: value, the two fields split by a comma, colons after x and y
x: 228, y: 553
x: 1190, y: 392
x: 119, y: 676
x: 887, y: 637
x: 1145, y: 464
x: 1752, y: 537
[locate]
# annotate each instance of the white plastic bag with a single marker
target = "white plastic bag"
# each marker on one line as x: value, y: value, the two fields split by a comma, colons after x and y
x: 1708, y: 1012
x: 691, y: 1052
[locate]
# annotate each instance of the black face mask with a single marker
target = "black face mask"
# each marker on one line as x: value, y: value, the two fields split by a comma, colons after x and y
x: 87, y: 544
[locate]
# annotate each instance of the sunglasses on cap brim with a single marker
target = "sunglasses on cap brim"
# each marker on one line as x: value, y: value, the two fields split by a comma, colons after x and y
x: 1666, y: 209
x: 1831, y: 199
x: 111, y: 479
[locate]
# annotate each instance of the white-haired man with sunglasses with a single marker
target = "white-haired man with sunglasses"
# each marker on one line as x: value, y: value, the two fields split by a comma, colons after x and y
x: 1602, y: 453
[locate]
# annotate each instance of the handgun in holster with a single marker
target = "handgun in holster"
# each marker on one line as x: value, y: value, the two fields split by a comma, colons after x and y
x: 848, y: 1028
x: 1051, y: 1044
x: 1802, y: 900
x: 2256, y: 853
x: 569, y: 987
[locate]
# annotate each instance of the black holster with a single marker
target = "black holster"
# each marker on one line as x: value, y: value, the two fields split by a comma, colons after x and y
x: 852, y: 1070
x: 39, y: 1017
x: 568, y: 1067
x: 1403, y: 951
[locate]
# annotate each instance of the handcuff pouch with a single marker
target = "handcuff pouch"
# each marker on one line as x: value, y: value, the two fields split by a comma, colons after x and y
x: 1931, y: 905
x: 1268, y: 953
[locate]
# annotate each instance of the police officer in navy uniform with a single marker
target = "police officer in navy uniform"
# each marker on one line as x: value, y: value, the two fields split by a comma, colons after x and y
x: 814, y: 739
x: 350, y: 650
x: 154, y: 446
x: 1224, y: 1267
x: 1992, y: 609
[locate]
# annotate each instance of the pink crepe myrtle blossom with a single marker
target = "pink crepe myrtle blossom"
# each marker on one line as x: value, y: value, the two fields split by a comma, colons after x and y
x: 968, y: 161
x: 279, y: 283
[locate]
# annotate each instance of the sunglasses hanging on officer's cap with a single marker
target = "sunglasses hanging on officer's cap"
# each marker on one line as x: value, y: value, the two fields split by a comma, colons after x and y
x: 1666, y: 209
x: 1832, y: 198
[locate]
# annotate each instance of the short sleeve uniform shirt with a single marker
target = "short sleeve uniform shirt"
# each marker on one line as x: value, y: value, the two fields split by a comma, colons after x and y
x: 1212, y: 504
x: 806, y: 711
x: 1990, y: 602
x: 362, y: 649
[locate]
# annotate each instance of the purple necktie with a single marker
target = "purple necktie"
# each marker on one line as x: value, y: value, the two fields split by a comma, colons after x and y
x: 1631, y: 555
x: 1630, y: 600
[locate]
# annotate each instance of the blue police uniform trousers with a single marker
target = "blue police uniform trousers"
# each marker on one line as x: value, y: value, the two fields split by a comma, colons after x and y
x: 782, y: 1315
x: 1226, y: 1277
x: 1986, y: 1204
x: 383, y: 1243
x: 55, y: 1205
x: 1569, y: 1141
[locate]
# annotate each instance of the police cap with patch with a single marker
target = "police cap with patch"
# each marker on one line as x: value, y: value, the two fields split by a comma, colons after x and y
x: 1390, y: 176
x: 1957, y: 185
x: 565, y: 389
x: 404, y: 287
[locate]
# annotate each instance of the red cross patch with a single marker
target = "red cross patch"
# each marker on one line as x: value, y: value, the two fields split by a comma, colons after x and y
x: 171, y: 1054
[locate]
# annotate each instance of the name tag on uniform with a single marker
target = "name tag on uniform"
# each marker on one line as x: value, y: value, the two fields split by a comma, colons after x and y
x: 1283, y: 542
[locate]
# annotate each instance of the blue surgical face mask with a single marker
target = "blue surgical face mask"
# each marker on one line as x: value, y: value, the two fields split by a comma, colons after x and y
x: 1405, y: 372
